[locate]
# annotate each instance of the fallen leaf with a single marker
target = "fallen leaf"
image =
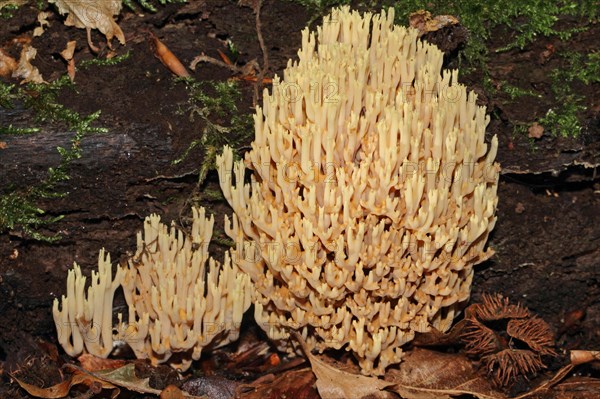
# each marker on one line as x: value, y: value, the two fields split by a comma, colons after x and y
x: 42, y: 19
x: 93, y: 363
x: 67, y: 54
x: 437, y: 338
x: 62, y: 389
x: 535, y: 131
x: 125, y: 377
x: 165, y: 56
x: 4, y: 146
x: 92, y: 14
x: 426, y: 374
x: 335, y: 383
x: 24, y: 69
x: 7, y: 64
x: 292, y: 384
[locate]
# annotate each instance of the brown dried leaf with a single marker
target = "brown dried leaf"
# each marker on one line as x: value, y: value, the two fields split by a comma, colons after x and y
x: 93, y: 363
x: 67, y: 54
x: 42, y: 19
x: 292, y: 384
x: 62, y: 389
x: 437, y: 338
x: 335, y: 383
x: 25, y: 70
x: 69, y: 50
x: 92, y: 14
x: 425, y: 374
x: 162, y: 52
x: 125, y: 377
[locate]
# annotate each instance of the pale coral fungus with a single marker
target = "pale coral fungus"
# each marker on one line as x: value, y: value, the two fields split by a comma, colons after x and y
x: 372, y: 191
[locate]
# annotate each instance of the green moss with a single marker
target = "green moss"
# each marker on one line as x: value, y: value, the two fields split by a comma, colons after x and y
x: 578, y: 69
x: 515, y: 92
x: 10, y: 129
x: 213, y: 195
x: 565, y: 120
x: 149, y: 5
x: 215, y: 103
x: 104, y: 61
x: 18, y: 209
x: 527, y: 19
x: 524, y: 21
x: 212, y: 98
x: 7, y: 95
x: 7, y: 11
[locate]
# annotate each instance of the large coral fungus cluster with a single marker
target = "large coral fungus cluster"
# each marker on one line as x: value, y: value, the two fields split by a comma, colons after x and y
x: 176, y: 305
x: 372, y: 193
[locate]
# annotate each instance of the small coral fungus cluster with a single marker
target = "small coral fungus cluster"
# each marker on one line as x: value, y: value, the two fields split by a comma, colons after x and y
x: 176, y: 304
x: 371, y: 198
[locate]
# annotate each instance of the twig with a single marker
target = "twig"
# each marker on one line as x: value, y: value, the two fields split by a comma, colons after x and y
x: 211, y: 60
x: 263, y: 48
x: 248, y: 71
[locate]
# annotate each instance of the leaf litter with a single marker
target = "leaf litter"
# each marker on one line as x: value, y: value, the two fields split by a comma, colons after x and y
x: 25, y: 69
x: 92, y: 14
